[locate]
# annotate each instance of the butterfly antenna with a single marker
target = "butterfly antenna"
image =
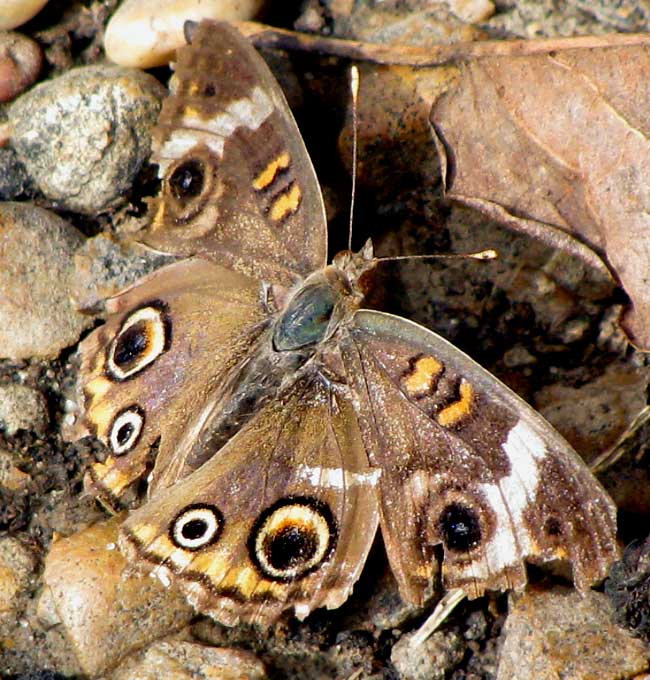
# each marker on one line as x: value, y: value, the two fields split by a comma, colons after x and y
x: 354, y: 91
x: 489, y: 254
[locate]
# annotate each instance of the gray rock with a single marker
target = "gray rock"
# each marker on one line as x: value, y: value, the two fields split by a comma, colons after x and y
x: 432, y: 660
x: 182, y: 660
x: 37, y: 318
x: 11, y: 478
x: 84, y: 135
x: 104, y: 266
x: 564, y: 634
x: 17, y: 569
x: 22, y: 408
x: 13, y: 176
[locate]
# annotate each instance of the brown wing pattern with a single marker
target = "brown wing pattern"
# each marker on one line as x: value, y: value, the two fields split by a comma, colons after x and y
x: 282, y: 517
x: 238, y: 184
x: 469, y: 466
x: 165, y: 350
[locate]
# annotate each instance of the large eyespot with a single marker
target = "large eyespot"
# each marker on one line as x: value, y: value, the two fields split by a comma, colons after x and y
x: 144, y: 336
x: 196, y: 526
x: 459, y: 527
x: 292, y: 538
x: 187, y: 180
x: 126, y: 430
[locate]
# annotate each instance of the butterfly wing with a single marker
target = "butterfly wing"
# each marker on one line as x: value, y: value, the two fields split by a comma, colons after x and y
x: 165, y: 351
x: 238, y: 184
x: 283, y: 517
x: 469, y: 466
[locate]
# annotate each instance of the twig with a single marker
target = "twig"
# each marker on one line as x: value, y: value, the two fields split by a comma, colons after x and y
x: 263, y: 35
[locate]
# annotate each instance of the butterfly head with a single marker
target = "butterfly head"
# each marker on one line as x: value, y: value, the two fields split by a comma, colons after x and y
x: 355, y: 267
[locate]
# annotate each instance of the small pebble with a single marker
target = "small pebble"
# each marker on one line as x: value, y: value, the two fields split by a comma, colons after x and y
x: 146, y: 33
x: 472, y: 11
x: 20, y: 63
x: 83, y: 136
x: 190, y: 661
x: 37, y: 318
x: 17, y: 567
x: 15, y: 13
x: 103, y: 267
x: 11, y: 478
x: 106, y: 611
x: 22, y: 408
x: 14, y: 179
x: 433, y: 660
x: 562, y: 633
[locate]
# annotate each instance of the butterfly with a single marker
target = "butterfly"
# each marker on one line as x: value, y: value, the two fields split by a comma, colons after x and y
x: 276, y: 422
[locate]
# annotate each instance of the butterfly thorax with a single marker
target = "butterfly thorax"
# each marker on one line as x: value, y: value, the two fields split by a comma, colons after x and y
x: 315, y: 309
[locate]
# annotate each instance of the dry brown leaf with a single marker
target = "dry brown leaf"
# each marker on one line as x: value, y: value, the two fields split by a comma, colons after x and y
x: 555, y: 144
x: 547, y: 136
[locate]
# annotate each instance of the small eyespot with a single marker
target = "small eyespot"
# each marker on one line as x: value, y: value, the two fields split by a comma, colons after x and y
x: 460, y: 527
x: 144, y: 336
x: 196, y: 526
x: 126, y: 430
x: 187, y: 180
x: 292, y: 538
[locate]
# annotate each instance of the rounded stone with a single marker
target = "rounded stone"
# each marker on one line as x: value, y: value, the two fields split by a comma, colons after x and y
x: 37, y: 318
x: 438, y: 655
x: 20, y: 63
x: 146, y: 33
x: 104, y: 266
x: 11, y: 478
x: 17, y: 568
x: 22, y: 408
x: 562, y: 633
x: 14, y: 179
x: 183, y: 660
x: 14, y: 13
x: 83, y: 136
x: 106, y: 610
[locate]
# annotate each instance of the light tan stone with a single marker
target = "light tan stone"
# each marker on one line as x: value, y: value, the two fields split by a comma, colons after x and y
x: 181, y: 660
x: 561, y: 633
x: 20, y: 63
x: 37, y: 318
x: 146, y: 33
x: 22, y: 408
x: 17, y: 567
x: 472, y: 11
x: 14, y: 13
x: 107, y: 611
x: 11, y: 477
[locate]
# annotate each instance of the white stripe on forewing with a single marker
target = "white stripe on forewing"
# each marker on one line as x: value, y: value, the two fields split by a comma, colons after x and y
x: 249, y: 112
x: 180, y: 141
x: 336, y: 478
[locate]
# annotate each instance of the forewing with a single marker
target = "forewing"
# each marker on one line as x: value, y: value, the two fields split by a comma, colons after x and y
x: 165, y: 351
x: 282, y: 517
x: 468, y: 465
x: 238, y: 184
